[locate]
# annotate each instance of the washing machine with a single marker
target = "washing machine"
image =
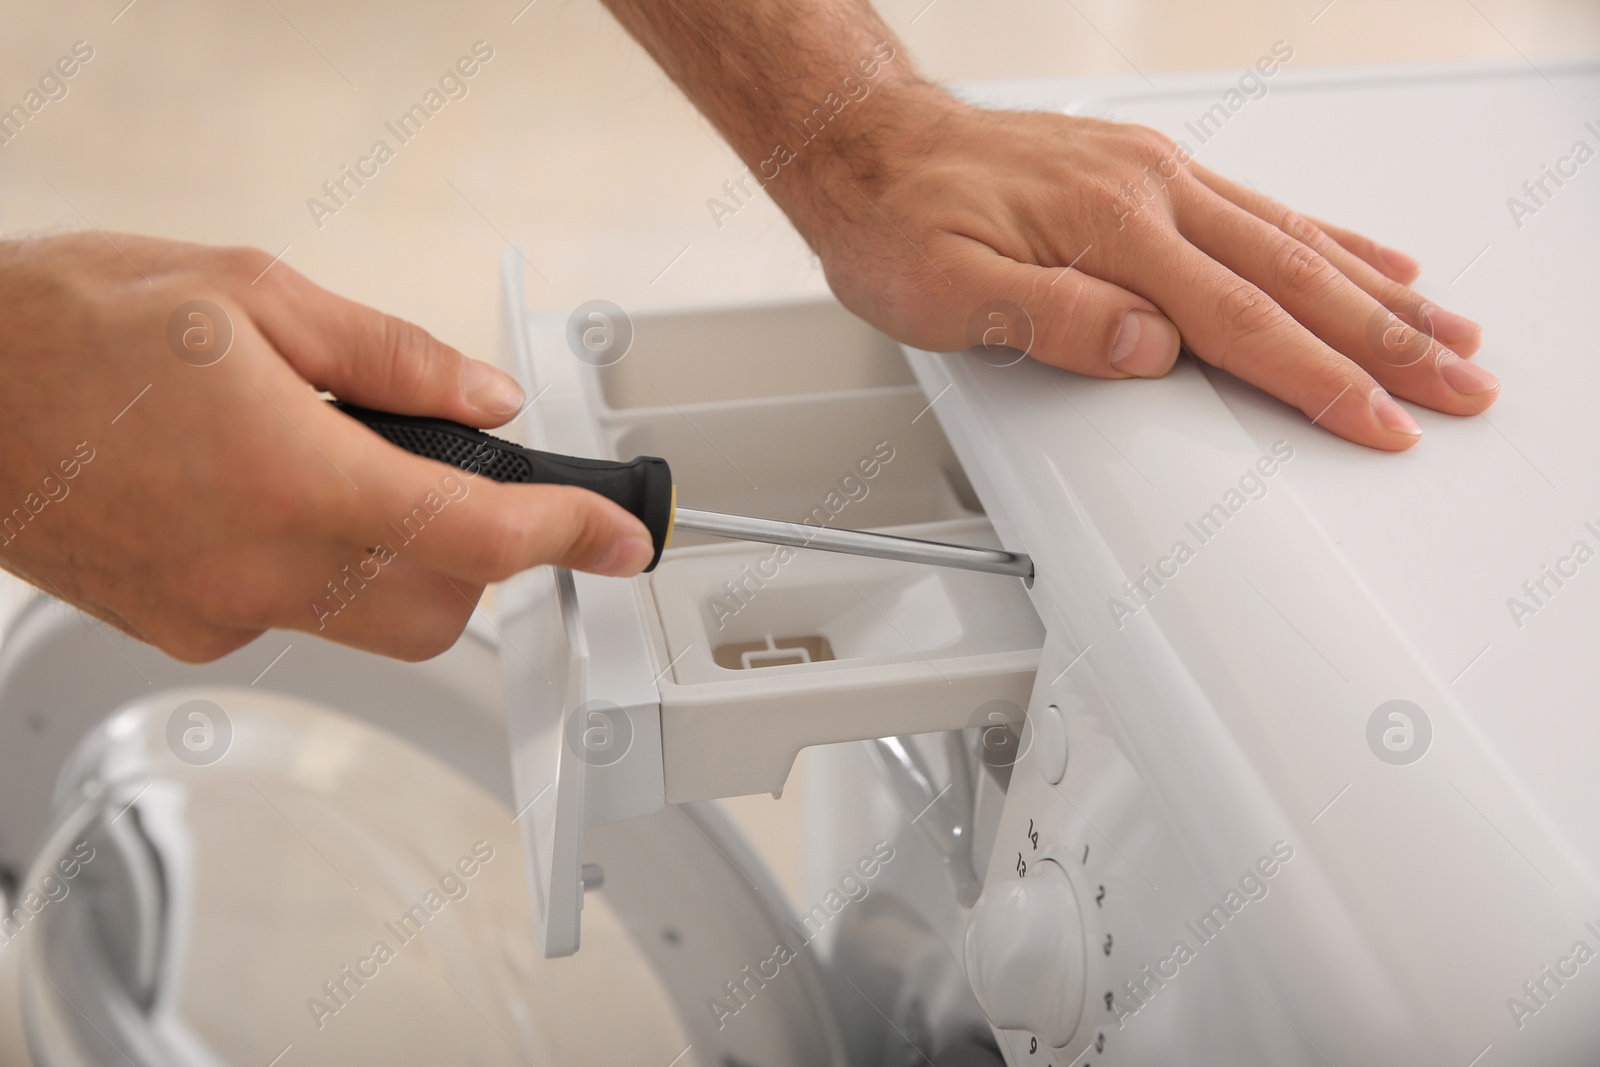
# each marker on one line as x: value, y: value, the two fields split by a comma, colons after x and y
x: 1308, y: 770
x: 1284, y: 757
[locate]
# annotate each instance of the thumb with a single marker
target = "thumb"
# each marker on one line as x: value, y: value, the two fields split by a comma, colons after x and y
x: 1068, y: 319
x: 584, y: 531
x: 498, y: 529
x: 375, y: 359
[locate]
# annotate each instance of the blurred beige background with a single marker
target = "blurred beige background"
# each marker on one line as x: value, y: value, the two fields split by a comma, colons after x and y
x: 217, y: 122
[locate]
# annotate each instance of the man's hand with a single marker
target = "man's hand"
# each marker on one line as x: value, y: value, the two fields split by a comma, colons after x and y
x: 928, y: 213
x: 167, y: 465
x: 962, y: 209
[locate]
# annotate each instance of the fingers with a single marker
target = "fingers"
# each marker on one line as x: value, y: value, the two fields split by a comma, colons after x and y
x: 377, y: 360
x: 416, y: 568
x: 1391, y: 262
x: 393, y: 549
x: 404, y: 559
x: 506, y: 529
x: 393, y: 608
x: 1461, y: 334
x: 1324, y: 301
x: 1072, y: 320
x: 1232, y: 324
x: 476, y: 530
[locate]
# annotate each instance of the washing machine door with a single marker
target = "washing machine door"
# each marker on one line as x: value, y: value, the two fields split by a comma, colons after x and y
x: 305, y: 854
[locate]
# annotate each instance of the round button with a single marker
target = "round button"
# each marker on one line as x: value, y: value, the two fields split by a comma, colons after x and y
x: 1050, y: 734
x: 1025, y: 956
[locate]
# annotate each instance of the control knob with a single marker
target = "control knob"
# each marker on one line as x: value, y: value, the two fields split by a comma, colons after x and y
x: 1025, y: 954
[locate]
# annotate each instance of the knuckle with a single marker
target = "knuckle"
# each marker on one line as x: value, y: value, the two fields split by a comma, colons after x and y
x: 1404, y: 302
x: 1067, y: 327
x: 424, y: 649
x: 228, y: 596
x: 907, y: 293
x: 1396, y: 342
x: 587, y: 526
x: 404, y: 351
x: 427, y: 642
x: 1161, y: 156
x: 205, y: 644
x: 1248, y: 312
x: 578, y: 528
x: 1149, y: 144
x: 243, y: 261
x: 901, y: 303
x: 1301, y: 267
x: 1302, y: 228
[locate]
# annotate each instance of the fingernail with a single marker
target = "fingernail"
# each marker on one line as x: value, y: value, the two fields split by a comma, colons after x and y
x: 1146, y: 345
x: 1393, y: 416
x: 1447, y: 325
x: 627, y: 557
x: 1398, y: 262
x: 490, y: 390
x: 1468, y: 379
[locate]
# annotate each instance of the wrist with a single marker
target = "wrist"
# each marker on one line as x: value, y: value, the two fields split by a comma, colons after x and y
x: 851, y: 145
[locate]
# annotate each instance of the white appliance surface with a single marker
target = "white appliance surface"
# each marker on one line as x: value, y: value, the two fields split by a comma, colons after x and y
x: 1444, y: 861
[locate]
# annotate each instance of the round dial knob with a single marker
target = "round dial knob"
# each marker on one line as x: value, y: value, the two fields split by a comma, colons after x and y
x: 1025, y: 954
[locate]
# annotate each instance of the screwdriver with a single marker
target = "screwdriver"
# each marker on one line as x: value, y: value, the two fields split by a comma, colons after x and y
x: 643, y: 486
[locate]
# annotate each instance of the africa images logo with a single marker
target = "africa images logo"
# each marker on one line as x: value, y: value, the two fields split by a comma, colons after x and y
x: 599, y: 732
x: 199, y: 732
x: 1399, y: 732
x: 199, y: 332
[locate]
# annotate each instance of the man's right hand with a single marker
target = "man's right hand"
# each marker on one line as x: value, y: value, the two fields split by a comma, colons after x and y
x: 167, y: 465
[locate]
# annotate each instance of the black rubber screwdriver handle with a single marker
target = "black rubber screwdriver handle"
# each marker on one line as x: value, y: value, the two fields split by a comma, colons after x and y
x: 643, y: 486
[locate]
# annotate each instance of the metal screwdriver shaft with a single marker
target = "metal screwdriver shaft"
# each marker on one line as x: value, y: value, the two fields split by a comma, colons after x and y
x: 856, y: 543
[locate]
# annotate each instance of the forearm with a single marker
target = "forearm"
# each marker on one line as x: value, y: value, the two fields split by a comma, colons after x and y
x: 807, y: 92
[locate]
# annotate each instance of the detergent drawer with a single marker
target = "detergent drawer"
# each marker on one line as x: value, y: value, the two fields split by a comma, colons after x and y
x: 706, y: 677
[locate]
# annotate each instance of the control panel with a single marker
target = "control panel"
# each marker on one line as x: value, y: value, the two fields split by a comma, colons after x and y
x: 1058, y: 947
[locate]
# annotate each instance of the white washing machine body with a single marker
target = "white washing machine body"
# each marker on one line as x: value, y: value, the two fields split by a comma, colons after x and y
x: 1311, y: 774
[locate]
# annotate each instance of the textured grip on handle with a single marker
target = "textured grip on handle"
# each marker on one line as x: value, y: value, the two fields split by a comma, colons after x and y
x: 643, y: 486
